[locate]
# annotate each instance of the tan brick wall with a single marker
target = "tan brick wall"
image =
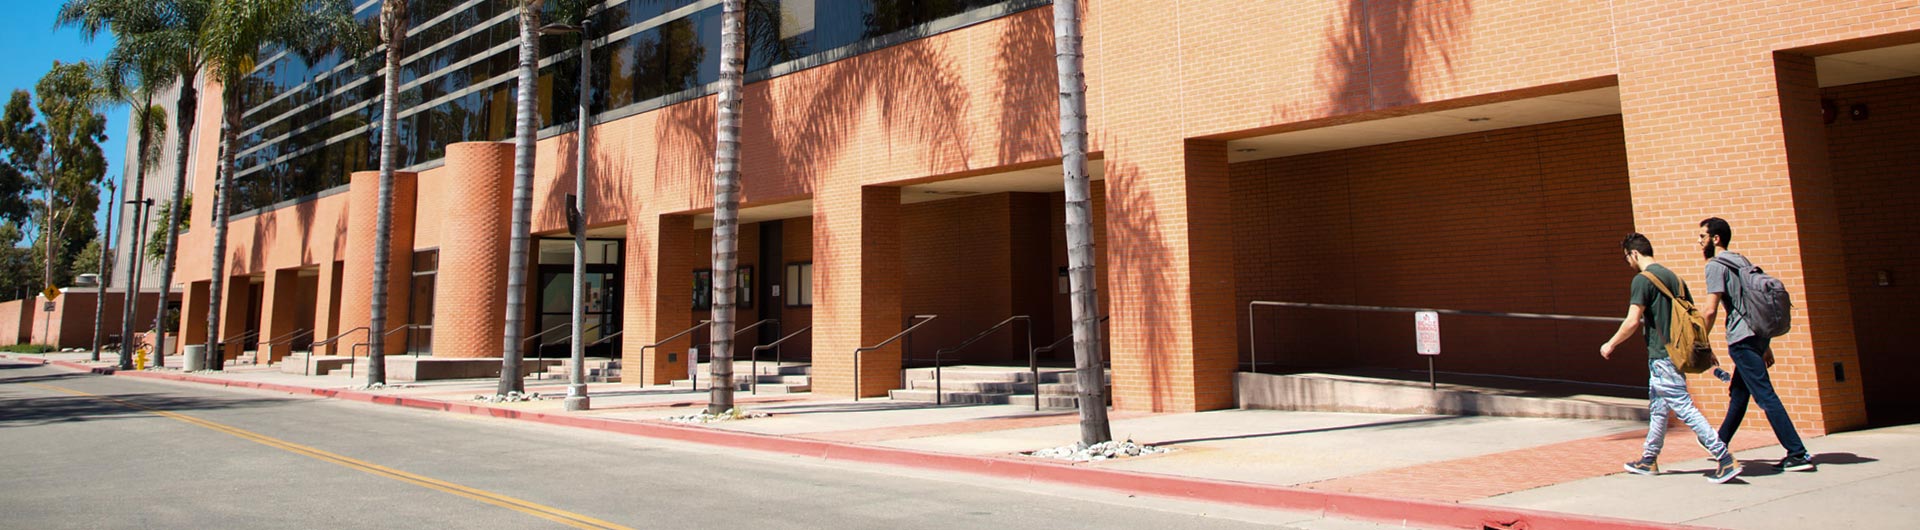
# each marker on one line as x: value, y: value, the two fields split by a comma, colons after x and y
x: 469, y: 297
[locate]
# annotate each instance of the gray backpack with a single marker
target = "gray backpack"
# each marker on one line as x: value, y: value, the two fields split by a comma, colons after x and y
x: 1762, y: 300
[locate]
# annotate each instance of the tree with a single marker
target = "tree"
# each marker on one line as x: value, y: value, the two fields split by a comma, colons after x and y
x: 524, y: 129
x: 20, y: 145
x: 726, y: 203
x: 70, y: 167
x: 156, y: 247
x: 17, y: 277
x: 94, y: 256
x: 132, y: 78
x: 173, y: 33
x: 1090, y: 376
x: 393, y: 32
x: 239, y: 31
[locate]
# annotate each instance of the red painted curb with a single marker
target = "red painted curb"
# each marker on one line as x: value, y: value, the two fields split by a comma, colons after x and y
x: 1344, y: 505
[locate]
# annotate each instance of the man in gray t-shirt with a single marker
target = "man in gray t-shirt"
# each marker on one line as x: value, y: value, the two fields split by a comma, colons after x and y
x: 1752, y: 354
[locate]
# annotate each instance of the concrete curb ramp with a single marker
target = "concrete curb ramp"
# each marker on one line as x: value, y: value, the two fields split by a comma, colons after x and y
x: 1344, y: 505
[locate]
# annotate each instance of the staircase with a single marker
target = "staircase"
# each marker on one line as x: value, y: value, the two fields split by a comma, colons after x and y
x: 992, y: 385
x: 786, y: 378
x: 598, y: 370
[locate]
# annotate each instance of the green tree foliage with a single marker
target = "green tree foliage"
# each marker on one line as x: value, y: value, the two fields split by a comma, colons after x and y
x: 21, y: 145
x: 157, y: 234
x: 19, y: 268
x: 88, y: 260
x: 72, y: 167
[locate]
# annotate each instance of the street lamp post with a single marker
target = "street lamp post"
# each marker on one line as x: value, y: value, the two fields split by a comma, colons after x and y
x: 141, y: 209
x: 576, y: 375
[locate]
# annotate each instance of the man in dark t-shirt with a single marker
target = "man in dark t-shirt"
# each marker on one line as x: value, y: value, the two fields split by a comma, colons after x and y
x: 1666, y: 388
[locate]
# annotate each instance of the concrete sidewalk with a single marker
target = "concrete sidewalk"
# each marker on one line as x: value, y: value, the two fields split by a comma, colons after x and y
x: 1423, y: 462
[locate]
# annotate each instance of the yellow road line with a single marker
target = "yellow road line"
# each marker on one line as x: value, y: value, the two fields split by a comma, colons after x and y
x: 537, y: 510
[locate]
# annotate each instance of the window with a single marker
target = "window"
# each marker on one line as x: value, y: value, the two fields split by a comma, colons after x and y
x: 703, y: 288
x: 426, y: 265
x: 800, y: 284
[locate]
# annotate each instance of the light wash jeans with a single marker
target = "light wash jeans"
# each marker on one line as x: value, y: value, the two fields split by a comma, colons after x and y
x: 1667, y: 393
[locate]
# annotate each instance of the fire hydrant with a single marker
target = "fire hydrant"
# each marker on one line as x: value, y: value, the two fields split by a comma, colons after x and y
x: 140, y: 358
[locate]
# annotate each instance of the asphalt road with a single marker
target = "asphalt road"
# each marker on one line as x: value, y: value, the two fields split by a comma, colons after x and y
x: 85, y: 451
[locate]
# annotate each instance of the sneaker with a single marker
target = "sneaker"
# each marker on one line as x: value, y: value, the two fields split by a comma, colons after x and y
x: 1643, y: 466
x: 1724, y: 472
x: 1795, y: 463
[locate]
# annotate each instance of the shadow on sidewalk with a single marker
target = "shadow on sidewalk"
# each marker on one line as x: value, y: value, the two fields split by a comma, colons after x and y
x: 876, y: 406
x: 1394, y: 423
x: 1756, y: 468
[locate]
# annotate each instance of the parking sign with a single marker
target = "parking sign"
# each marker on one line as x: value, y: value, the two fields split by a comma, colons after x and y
x: 1426, y: 329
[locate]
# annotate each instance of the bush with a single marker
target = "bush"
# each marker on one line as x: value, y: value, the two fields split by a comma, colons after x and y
x: 27, y: 348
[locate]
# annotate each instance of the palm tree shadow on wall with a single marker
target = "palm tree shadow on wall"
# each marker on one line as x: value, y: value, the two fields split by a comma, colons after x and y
x: 1134, y: 231
x: 1029, y: 103
x: 1379, y: 55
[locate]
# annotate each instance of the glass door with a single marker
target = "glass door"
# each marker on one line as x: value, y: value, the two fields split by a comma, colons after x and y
x: 602, y: 297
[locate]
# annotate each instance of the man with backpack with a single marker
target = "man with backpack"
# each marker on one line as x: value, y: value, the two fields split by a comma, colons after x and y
x: 1665, y: 314
x: 1758, y: 311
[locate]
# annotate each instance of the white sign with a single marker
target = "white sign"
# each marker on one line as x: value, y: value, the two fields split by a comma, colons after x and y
x: 1426, y: 329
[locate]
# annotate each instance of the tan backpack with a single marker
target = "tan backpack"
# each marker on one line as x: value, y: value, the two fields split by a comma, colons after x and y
x: 1687, y: 333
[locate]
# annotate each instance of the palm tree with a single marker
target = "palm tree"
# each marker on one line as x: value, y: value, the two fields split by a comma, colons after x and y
x: 131, y: 78
x: 1089, y: 375
x: 726, y: 203
x: 524, y: 129
x: 239, y: 31
x: 168, y: 32
x: 393, y: 31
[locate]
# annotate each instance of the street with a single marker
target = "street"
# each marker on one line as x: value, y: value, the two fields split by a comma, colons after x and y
x: 85, y: 451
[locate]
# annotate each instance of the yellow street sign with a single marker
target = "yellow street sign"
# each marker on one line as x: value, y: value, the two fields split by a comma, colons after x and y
x: 51, y: 292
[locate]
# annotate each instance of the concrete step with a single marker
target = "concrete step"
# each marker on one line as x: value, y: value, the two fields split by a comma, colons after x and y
x: 1046, y: 402
x: 770, y: 388
x: 959, y: 373
x: 765, y: 367
x: 990, y: 387
x: 970, y: 398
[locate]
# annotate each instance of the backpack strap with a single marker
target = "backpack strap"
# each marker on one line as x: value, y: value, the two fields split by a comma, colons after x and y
x: 1739, y: 281
x: 1660, y: 285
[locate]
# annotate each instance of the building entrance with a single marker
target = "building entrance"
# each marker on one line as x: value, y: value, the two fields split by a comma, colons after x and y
x: 602, y: 297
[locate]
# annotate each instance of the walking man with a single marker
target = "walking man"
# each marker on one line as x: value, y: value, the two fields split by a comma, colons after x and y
x: 1751, y: 352
x: 1652, y: 309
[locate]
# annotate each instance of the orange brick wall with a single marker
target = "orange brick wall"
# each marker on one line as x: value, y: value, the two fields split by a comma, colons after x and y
x: 16, y: 321
x: 469, y: 289
x: 1719, y: 111
x: 1874, y: 163
x: 357, y: 287
x: 1526, y: 219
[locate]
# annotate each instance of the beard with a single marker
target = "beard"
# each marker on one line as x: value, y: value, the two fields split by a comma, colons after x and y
x: 1706, y: 251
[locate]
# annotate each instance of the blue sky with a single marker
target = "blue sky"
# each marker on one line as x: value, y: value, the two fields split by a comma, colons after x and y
x: 30, y: 44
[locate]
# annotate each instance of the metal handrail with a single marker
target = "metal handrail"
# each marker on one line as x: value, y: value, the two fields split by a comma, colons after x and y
x: 1033, y: 365
x: 1253, y: 342
x: 923, y: 320
x: 693, y: 374
x: 563, y: 340
x: 284, y: 339
x: 606, y: 338
x: 643, y: 349
x: 329, y: 342
x: 775, y: 346
x: 1057, y: 342
x: 351, y: 357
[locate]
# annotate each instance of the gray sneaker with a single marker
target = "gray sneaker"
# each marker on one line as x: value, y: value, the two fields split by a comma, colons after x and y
x: 1724, y: 472
x: 1795, y: 463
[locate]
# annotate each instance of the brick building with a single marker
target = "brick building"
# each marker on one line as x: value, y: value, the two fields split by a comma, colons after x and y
x: 901, y: 158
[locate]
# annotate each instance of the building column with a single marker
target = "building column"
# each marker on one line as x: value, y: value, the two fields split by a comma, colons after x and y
x: 659, y: 298
x: 1170, y: 256
x: 469, y: 294
x: 1753, y: 152
x: 857, y: 290
x: 356, y: 302
x: 279, y: 307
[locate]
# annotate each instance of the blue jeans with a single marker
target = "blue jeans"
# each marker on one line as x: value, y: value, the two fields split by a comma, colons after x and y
x: 1667, y: 393
x: 1750, y: 380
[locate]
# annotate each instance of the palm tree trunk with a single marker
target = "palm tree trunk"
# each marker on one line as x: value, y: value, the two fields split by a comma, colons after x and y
x: 100, y: 292
x: 127, y: 311
x: 522, y: 201
x: 1090, y: 376
x: 726, y: 205
x: 229, y: 118
x: 394, y: 24
x: 184, y: 112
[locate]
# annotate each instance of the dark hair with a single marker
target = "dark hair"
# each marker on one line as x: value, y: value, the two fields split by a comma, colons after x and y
x: 1717, y: 227
x: 1637, y: 242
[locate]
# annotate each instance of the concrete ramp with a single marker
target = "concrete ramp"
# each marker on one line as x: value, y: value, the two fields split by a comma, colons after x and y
x: 1458, y: 395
